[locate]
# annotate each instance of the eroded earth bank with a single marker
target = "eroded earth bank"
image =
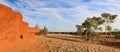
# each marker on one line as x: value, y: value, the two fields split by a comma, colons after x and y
x: 16, y: 35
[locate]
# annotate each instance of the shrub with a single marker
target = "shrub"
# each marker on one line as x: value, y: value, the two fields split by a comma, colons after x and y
x: 79, y: 29
x: 42, y: 31
x: 116, y: 32
x: 117, y: 36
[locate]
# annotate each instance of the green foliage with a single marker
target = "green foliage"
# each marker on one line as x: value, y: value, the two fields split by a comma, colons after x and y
x: 109, y: 28
x: 45, y: 30
x: 90, y: 25
x: 93, y: 33
x: 100, y: 28
x: 89, y: 33
x: 117, y: 35
x: 108, y: 18
x: 79, y: 29
x: 42, y: 31
x: 112, y: 17
x: 116, y: 32
x: 105, y: 15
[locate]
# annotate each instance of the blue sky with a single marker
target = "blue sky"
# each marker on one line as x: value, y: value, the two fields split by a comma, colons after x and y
x: 62, y: 15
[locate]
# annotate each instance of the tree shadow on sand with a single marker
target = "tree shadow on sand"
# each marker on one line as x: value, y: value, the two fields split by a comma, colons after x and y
x: 111, y: 44
x: 64, y: 38
x: 75, y: 37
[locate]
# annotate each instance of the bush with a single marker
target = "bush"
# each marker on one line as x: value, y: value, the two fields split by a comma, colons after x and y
x: 79, y: 29
x: 117, y: 34
x: 42, y: 31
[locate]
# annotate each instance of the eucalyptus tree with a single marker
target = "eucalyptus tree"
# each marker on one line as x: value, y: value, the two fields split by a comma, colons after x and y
x: 88, y: 26
x: 108, y: 18
x: 92, y: 24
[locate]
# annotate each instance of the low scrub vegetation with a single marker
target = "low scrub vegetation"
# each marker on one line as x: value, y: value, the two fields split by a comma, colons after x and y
x: 116, y: 32
x: 42, y: 31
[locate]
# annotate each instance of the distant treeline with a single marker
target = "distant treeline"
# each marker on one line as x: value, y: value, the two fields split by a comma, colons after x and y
x: 62, y: 32
x: 75, y: 33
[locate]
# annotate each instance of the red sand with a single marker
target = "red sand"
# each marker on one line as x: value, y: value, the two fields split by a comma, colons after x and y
x: 15, y: 35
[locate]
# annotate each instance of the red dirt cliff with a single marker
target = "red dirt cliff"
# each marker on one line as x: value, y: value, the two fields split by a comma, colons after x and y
x: 16, y: 35
x: 11, y: 24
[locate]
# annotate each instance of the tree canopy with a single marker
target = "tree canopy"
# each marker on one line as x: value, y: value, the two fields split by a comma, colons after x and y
x: 93, y: 24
